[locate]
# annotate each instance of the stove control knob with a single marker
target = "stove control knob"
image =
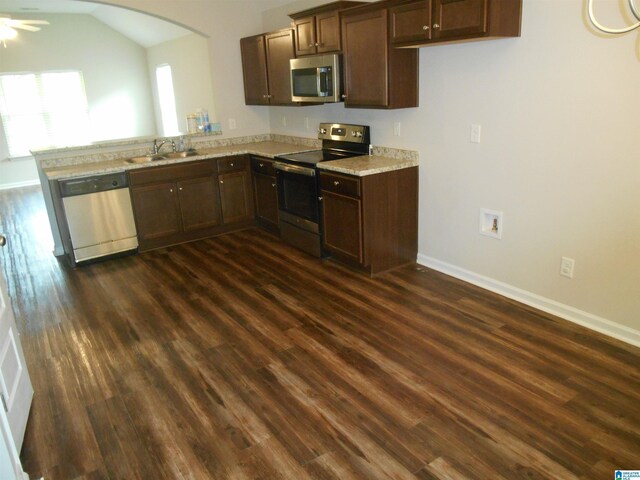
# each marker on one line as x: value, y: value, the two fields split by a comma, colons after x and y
x: 322, y: 130
x: 356, y: 134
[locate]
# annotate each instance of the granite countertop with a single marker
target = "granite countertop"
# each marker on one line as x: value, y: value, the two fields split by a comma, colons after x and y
x: 367, y: 165
x: 358, y: 166
x: 265, y: 149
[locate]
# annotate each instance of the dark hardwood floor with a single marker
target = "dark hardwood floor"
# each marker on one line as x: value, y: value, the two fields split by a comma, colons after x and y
x: 240, y: 358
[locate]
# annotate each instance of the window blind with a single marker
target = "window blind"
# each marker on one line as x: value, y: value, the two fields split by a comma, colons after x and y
x: 46, y: 109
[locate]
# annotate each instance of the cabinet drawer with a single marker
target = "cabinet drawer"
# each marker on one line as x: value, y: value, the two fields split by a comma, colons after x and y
x: 171, y: 173
x: 341, y: 184
x: 262, y: 165
x: 230, y: 164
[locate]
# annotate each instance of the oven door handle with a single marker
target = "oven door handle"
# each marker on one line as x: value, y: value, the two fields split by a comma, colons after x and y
x: 285, y: 167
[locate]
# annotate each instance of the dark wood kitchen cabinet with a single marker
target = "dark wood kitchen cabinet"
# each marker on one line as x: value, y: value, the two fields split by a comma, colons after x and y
x: 265, y: 192
x: 265, y: 68
x: 371, y: 222
x: 174, y: 203
x: 317, y: 30
x: 236, y: 197
x: 417, y: 23
x: 375, y: 74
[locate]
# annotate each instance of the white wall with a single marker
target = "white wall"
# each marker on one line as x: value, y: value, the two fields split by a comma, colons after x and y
x: 191, y: 73
x: 114, y: 70
x: 559, y: 156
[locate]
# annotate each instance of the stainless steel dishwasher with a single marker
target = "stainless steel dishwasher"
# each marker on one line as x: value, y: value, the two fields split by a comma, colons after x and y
x: 99, y: 215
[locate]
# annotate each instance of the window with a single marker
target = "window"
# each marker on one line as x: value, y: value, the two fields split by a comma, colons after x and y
x: 47, y: 109
x: 167, y: 100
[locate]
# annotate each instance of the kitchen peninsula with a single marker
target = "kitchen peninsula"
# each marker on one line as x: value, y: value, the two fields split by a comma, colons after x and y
x: 212, y: 191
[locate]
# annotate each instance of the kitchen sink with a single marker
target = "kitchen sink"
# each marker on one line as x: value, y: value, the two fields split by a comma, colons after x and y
x: 189, y: 153
x: 164, y: 156
x: 145, y: 158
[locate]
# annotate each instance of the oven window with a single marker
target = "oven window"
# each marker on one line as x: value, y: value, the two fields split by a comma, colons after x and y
x: 298, y: 195
x: 305, y: 82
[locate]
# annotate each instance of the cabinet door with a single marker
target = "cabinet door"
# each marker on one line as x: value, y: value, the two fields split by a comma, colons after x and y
x: 410, y: 22
x: 156, y: 210
x: 199, y: 203
x: 364, y: 42
x: 280, y: 50
x: 457, y: 18
x: 236, y: 198
x: 266, y: 194
x: 342, y: 219
x: 305, y: 36
x: 254, y: 70
x: 328, y: 32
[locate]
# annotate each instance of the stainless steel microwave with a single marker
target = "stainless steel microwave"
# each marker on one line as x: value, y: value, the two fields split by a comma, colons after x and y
x: 316, y: 78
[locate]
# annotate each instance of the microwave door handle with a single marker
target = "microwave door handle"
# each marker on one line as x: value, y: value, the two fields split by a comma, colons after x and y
x: 319, y: 81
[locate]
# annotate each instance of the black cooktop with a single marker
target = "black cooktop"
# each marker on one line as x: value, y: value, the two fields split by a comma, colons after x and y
x: 316, y: 156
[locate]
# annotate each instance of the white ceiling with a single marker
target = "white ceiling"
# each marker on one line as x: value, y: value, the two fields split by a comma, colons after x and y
x: 145, y: 30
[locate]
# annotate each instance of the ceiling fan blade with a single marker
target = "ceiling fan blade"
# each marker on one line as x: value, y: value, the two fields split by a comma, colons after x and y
x: 28, y: 28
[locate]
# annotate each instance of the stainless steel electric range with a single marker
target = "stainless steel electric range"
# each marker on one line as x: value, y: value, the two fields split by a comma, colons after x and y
x: 299, y: 201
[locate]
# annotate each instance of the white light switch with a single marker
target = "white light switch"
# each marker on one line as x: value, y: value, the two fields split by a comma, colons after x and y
x: 476, y: 131
x: 232, y: 124
x: 397, y: 129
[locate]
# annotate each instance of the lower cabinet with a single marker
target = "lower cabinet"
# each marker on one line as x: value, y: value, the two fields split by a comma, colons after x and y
x: 191, y: 200
x: 236, y: 198
x: 265, y: 192
x: 371, y: 222
x: 199, y: 205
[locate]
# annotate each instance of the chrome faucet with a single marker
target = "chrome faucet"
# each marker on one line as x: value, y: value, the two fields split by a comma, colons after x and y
x: 156, y: 147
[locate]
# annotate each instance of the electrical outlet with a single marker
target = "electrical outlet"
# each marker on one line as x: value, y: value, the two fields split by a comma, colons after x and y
x: 476, y: 131
x: 306, y: 123
x: 232, y: 124
x: 397, y: 126
x: 284, y: 121
x: 567, y: 266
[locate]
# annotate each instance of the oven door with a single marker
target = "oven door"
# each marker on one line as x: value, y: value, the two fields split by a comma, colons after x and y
x: 298, y: 196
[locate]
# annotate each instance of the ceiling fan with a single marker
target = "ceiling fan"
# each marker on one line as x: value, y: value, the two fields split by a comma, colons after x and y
x: 8, y: 27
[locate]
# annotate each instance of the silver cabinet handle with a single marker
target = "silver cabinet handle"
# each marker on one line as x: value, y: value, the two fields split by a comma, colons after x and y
x: 3, y: 240
x: 425, y: 27
x: 171, y: 190
x: 319, y: 199
x: 261, y: 165
x: 180, y: 189
x: 273, y: 185
x: 317, y: 44
x: 436, y: 26
x: 336, y: 183
x: 310, y: 45
x: 231, y: 164
x: 344, y: 95
x: 221, y: 181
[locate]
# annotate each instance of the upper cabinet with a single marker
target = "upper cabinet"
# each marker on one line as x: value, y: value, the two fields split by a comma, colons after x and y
x: 254, y: 70
x: 415, y: 23
x: 265, y: 68
x: 317, y: 30
x: 375, y: 74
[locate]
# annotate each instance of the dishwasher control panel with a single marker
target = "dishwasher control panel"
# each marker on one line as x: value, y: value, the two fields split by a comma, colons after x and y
x: 93, y: 184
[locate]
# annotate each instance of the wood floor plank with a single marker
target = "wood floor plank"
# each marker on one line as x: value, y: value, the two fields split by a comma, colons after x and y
x: 237, y: 358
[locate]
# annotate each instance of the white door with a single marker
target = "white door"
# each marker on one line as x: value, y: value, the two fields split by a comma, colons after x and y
x: 16, y: 391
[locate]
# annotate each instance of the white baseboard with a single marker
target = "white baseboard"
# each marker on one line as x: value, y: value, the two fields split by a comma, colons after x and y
x: 27, y: 183
x: 586, y: 319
